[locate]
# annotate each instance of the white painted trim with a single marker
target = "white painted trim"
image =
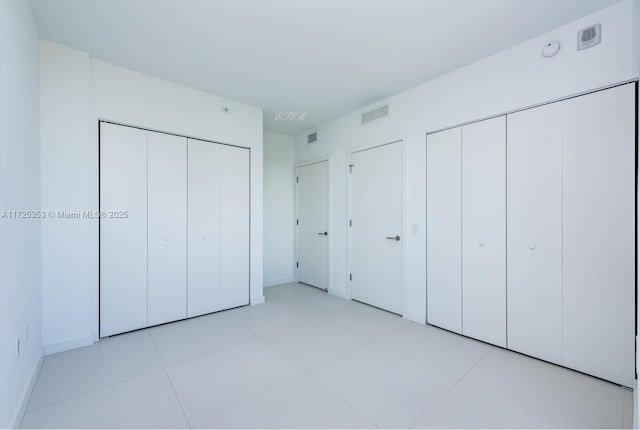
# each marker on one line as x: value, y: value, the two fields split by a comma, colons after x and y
x: 414, y: 318
x: 256, y: 300
x: 329, y: 217
x: 67, y: 344
x: 280, y: 281
x: 16, y: 420
x: 339, y: 293
x: 403, y: 228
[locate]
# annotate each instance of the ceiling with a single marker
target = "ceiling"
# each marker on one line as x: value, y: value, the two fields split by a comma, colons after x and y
x: 320, y: 57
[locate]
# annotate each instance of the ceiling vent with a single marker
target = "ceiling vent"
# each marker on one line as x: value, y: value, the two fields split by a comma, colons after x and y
x: 375, y: 114
x: 312, y: 138
x: 590, y: 36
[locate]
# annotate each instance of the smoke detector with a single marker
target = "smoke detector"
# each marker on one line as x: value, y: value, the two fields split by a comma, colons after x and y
x: 551, y: 49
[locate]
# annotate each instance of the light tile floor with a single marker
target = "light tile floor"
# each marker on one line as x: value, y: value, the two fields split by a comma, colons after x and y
x: 307, y: 359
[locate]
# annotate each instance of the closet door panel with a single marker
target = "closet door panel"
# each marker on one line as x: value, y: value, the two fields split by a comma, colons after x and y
x: 204, y: 228
x: 598, y: 233
x: 534, y: 226
x: 483, y: 231
x: 123, y: 241
x: 167, y: 227
x: 444, y: 229
x: 234, y: 219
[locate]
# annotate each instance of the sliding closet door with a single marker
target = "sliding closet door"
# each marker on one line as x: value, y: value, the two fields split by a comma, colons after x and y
x: 598, y: 233
x: 444, y: 229
x: 483, y: 231
x: 234, y: 222
x: 123, y: 241
x: 204, y: 228
x: 167, y: 228
x: 534, y: 225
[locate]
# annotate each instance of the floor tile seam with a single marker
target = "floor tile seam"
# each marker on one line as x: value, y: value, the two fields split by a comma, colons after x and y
x: 343, y: 325
x: 290, y: 381
x: 291, y: 325
x: 269, y: 332
x: 562, y: 419
x: 475, y: 364
x: 249, y: 399
x: 304, y: 370
x: 208, y: 352
x: 97, y: 389
x: 434, y: 403
x: 362, y: 414
x: 339, y: 356
x: 173, y: 388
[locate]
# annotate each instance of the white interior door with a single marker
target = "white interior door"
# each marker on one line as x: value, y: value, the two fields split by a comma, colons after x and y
x: 123, y: 241
x: 376, y: 214
x: 312, y: 224
x: 534, y: 225
x: 598, y: 233
x: 234, y: 227
x: 167, y: 228
x: 483, y: 231
x: 444, y: 229
x: 203, y: 280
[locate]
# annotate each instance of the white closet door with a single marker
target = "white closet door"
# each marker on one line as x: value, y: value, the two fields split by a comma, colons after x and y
x: 203, y: 228
x: 167, y: 228
x: 234, y: 218
x: 598, y: 233
x: 123, y: 241
x: 534, y: 225
x: 376, y: 208
x: 444, y: 229
x: 483, y: 231
x: 313, y: 213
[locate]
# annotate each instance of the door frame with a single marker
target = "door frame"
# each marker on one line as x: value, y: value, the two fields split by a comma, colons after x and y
x: 329, y: 220
x: 403, y: 212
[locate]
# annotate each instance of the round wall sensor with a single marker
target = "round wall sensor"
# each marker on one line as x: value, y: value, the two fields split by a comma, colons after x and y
x: 551, y: 49
x: 226, y: 109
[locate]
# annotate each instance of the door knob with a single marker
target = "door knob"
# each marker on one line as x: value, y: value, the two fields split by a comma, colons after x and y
x: 324, y: 233
x: 396, y: 238
x: 532, y: 246
x: 482, y: 243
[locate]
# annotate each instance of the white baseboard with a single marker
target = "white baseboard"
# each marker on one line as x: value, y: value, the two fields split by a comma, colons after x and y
x: 16, y: 421
x: 340, y: 293
x: 415, y: 318
x: 256, y: 300
x: 67, y: 344
x: 280, y: 281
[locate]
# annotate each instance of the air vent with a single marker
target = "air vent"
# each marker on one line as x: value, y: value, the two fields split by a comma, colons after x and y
x: 313, y: 137
x: 375, y: 114
x: 590, y: 36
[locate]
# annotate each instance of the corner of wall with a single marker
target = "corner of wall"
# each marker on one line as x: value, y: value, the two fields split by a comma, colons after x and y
x: 635, y: 45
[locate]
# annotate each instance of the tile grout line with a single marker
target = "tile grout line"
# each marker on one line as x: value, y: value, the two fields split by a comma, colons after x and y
x: 308, y: 371
x: 173, y: 388
x: 204, y: 354
x: 457, y: 382
x: 103, y: 387
x: 362, y: 414
x: 435, y: 402
x: 94, y: 390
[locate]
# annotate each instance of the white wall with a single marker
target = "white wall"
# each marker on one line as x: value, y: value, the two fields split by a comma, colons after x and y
x: 77, y: 91
x: 66, y: 184
x: 19, y: 190
x: 512, y: 79
x: 279, y: 212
